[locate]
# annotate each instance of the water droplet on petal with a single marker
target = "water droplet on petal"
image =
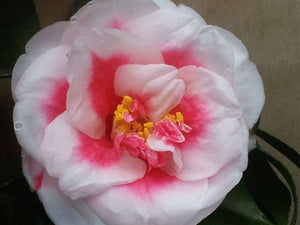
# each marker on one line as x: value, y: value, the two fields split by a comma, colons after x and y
x: 89, y: 4
x: 18, y: 125
x: 26, y: 48
x: 68, y: 54
x: 73, y: 19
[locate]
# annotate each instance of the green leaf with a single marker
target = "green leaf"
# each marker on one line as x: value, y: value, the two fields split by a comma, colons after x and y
x: 5, y: 75
x: 18, y: 22
x: 271, y: 195
x: 288, y: 178
x: 238, y: 208
x: 283, y: 148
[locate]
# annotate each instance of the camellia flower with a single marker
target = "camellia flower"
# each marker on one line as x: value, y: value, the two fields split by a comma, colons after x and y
x: 134, y: 112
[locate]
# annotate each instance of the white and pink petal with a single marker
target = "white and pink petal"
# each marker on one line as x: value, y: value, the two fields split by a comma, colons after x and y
x: 47, y: 38
x: 41, y: 96
x: 185, y: 9
x: 61, y: 209
x: 105, y: 14
x: 165, y: 4
x: 71, y: 156
x: 29, y: 126
x: 225, y: 179
x: 154, y: 199
x: 155, y: 85
x: 33, y: 171
x: 44, y: 73
x: 91, y: 73
x: 183, y: 41
x: 173, y: 164
x: 218, y: 133
x: 247, y: 81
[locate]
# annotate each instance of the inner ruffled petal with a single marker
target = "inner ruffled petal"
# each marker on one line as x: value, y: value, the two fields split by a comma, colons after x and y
x: 91, y: 73
x: 152, y: 141
x: 156, y: 85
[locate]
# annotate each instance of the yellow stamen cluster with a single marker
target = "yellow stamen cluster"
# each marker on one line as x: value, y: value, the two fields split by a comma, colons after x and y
x: 178, y: 117
x: 139, y: 126
x: 120, y: 111
x: 146, y: 130
x: 143, y: 129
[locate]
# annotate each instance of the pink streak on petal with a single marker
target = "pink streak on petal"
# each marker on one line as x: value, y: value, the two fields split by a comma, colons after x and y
x: 38, y: 180
x: 180, y: 57
x: 56, y: 102
x: 101, y: 87
x: 185, y: 128
x: 129, y: 117
x: 115, y: 23
x: 136, y: 106
x: 151, y: 184
x: 196, y: 115
x: 168, y: 131
x: 137, y: 147
x: 100, y: 152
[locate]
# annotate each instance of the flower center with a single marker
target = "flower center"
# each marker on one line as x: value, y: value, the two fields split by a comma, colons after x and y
x: 129, y: 118
x: 132, y: 128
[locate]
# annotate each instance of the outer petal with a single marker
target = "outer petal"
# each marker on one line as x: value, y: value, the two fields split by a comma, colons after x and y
x: 183, y: 41
x: 211, y: 47
x: 29, y: 125
x: 106, y: 14
x: 33, y: 171
x: 91, y: 98
x: 247, y: 81
x: 218, y: 133
x: 164, y: 27
x: 61, y: 209
x: 39, y: 77
x: 41, y: 83
x: 156, y: 199
x: 165, y: 4
x: 154, y: 84
x: 225, y: 179
x: 184, y: 9
x: 44, y: 40
x: 85, y: 166
x: 252, y: 142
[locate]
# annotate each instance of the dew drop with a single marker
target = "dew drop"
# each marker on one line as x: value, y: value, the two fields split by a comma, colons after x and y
x: 27, y: 48
x: 89, y: 4
x: 73, y: 19
x: 68, y: 54
x: 18, y: 125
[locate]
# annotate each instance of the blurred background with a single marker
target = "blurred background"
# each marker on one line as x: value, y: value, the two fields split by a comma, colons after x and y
x: 269, y: 29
